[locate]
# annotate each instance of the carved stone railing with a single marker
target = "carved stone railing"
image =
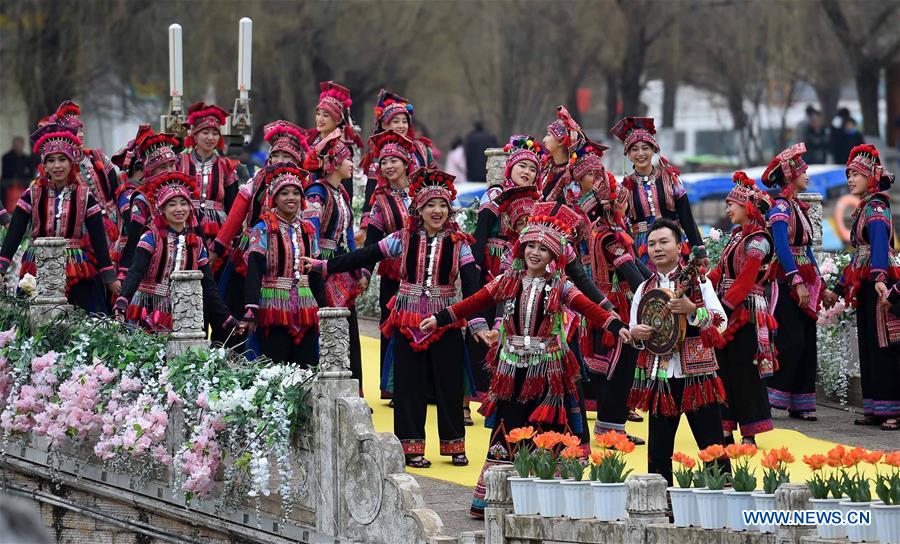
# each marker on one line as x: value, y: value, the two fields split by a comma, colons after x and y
x: 646, y: 521
x: 351, y: 481
x: 50, y: 291
x: 816, y: 216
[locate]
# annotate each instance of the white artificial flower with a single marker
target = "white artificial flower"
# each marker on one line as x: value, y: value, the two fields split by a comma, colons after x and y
x: 28, y: 285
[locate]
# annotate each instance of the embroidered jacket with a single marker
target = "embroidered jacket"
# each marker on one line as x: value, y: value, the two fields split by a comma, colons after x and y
x: 422, y: 157
x: 246, y: 212
x: 71, y: 213
x: 743, y: 285
x: 102, y: 177
x: 389, y: 214
x: 794, y: 261
x: 277, y: 292
x: 146, y: 293
x: 554, y: 182
x: 430, y: 268
x: 873, y: 260
x: 532, y: 338
x: 328, y: 209
x: 218, y: 187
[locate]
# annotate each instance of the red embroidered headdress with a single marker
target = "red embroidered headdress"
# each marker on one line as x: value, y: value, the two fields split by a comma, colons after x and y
x: 864, y: 159
x: 516, y: 203
x: 785, y: 167
x: 632, y: 130
x: 391, y: 144
x: 565, y: 129
x: 521, y: 147
x: 201, y: 116
x: 427, y: 183
x: 57, y: 138
x: 283, y: 175
x: 288, y: 137
x: 157, y: 150
x: 588, y: 158
x: 129, y: 156
x: 330, y: 152
x: 748, y: 195
x: 551, y: 224
x: 388, y: 105
x: 68, y: 113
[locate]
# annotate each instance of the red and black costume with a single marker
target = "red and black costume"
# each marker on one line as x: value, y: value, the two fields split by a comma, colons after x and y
x: 387, y: 106
x: 280, y: 298
x: 216, y: 175
x: 874, y: 261
x: 431, y: 268
x: 146, y: 297
x: 335, y: 99
x: 746, y: 354
x: 608, y: 258
x: 534, y: 373
x: 793, y: 386
x: 658, y: 194
x: 555, y: 179
x: 69, y: 212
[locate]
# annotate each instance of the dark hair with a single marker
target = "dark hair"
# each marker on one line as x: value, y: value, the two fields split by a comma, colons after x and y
x: 457, y: 141
x: 664, y: 223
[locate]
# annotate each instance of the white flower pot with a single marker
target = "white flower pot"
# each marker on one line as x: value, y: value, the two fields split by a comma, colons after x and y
x: 609, y: 501
x: 858, y: 533
x: 711, y: 508
x: 579, y: 499
x: 737, y: 502
x: 524, y: 495
x: 828, y: 531
x: 764, y: 501
x: 887, y: 522
x: 684, y: 507
x: 550, y: 498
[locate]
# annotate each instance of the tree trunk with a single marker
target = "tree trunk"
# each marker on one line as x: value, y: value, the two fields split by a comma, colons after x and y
x: 670, y: 89
x: 632, y: 68
x: 828, y: 94
x: 612, y: 99
x: 868, y: 74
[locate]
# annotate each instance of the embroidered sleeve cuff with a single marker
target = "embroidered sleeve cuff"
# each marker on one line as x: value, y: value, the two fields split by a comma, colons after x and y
x: 108, y: 274
x: 614, y: 325
x: 477, y: 325
x: 444, y: 317
x: 497, y: 322
x: 795, y: 278
x: 250, y: 312
x: 319, y: 266
x: 218, y: 247
x: 879, y: 275
x: 230, y: 324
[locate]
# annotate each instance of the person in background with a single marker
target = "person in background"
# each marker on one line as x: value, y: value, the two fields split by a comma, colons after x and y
x: 456, y: 160
x: 17, y: 170
x: 476, y: 142
x: 815, y: 136
x: 845, y: 135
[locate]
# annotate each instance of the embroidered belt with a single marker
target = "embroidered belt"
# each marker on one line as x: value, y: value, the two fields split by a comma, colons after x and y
x: 755, y: 290
x: 496, y: 243
x: 640, y: 226
x: 208, y: 205
x: 158, y: 289
x: 417, y: 290
x: 73, y: 243
x: 282, y: 282
x: 531, y: 345
x: 325, y: 243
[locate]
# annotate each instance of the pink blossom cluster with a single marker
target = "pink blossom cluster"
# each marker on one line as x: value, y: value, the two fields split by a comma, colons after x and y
x: 5, y: 377
x: 830, y: 316
x: 201, y: 461
x: 133, y: 426
x: 74, y: 411
x: 7, y: 336
x: 21, y: 409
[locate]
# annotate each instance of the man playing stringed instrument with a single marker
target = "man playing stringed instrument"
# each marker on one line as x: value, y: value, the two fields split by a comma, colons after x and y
x: 676, y: 319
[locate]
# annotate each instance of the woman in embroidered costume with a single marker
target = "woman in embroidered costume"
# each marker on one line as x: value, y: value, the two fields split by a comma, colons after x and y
x: 793, y: 386
x: 389, y: 213
x: 683, y: 381
x: 280, y: 298
x: 652, y: 192
x: 563, y: 137
x: 131, y: 174
x: 170, y: 244
x: 60, y: 204
x: 100, y: 174
x: 608, y: 258
x: 533, y: 372
x: 328, y: 208
x: 287, y: 145
x: 392, y: 113
x: 435, y: 255
x: 866, y: 283
x: 154, y: 154
x: 217, y: 181
x: 746, y: 354
x: 333, y: 114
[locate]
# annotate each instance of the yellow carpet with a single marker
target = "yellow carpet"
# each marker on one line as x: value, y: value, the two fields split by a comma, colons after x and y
x: 477, y: 437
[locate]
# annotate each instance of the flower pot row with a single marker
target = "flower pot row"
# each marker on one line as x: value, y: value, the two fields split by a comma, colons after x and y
x: 568, y: 498
x: 701, y: 507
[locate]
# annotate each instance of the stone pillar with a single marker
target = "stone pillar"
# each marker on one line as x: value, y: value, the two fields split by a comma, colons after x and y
x: 498, y: 496
x: 496, y: 164
x: 50, y: 292
x: 333, y: 382
x: 646, y: 504
x: 792, y: 497
x: 816, y: 215
x: 187, y: 313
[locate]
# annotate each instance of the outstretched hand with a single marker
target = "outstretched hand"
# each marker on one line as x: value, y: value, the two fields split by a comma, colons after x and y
x: 307, y: 264
x: 428, y: 324
x: 486, y: 337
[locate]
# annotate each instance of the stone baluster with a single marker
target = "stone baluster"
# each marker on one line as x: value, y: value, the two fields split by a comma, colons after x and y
x: 498, y: 496
x: 792, y: 497
x: 334, y: 343
x: 495, y: 166
x: 646, y: 504
x: 50, y: 292
x: 187, y: 313
x: 816, y: 216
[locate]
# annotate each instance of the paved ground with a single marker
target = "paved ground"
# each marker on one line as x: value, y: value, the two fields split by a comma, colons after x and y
x: 451, y: 501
